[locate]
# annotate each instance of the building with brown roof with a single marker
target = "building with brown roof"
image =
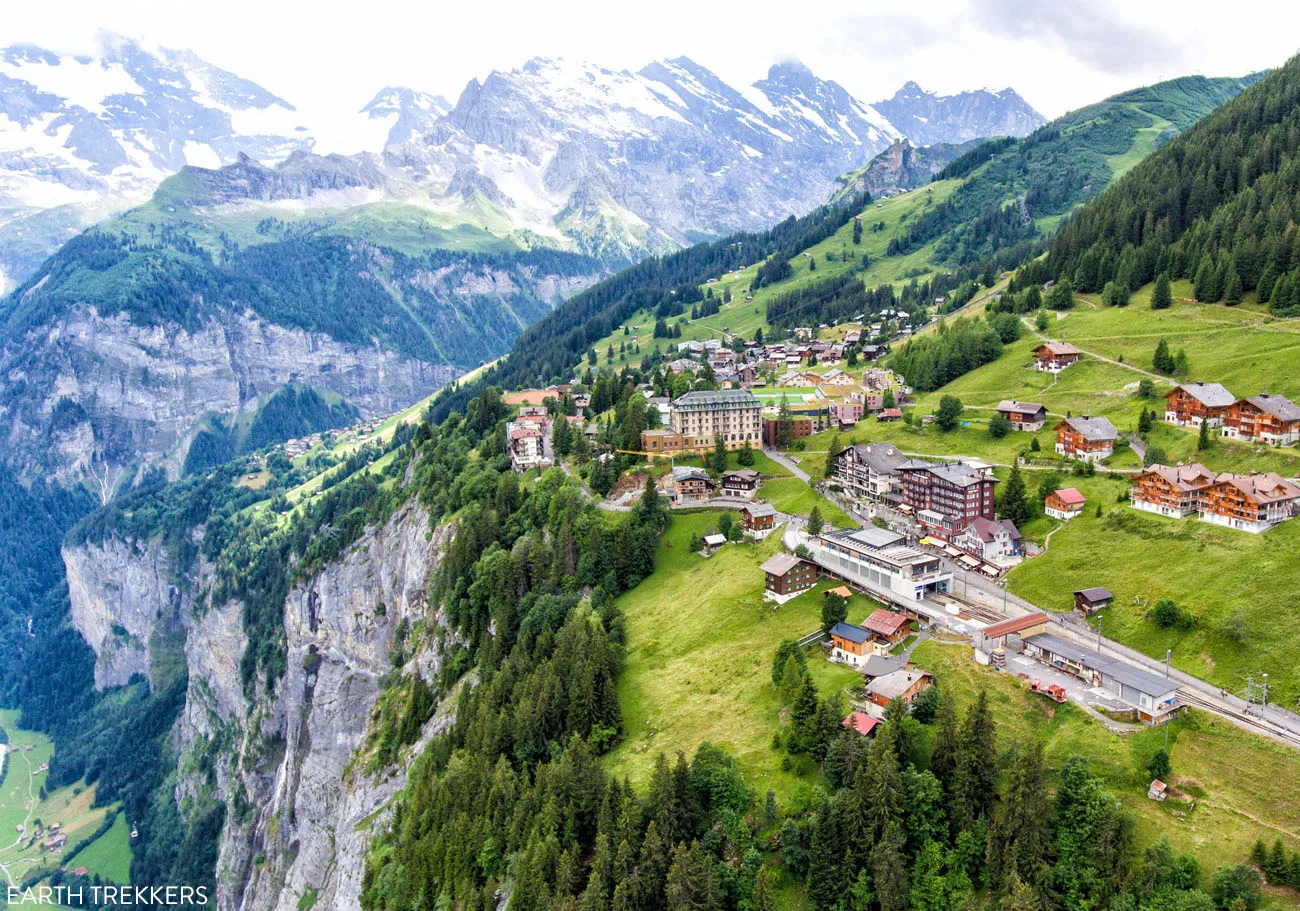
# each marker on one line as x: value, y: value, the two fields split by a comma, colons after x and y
x: 1026, y: 416
x: 1253, y: 502
x: 1271, y: 419
x: 741, y: 483
x: 1193, y: 404
x: 1171, y: 490
x: 905, y: 684
x: 1054, y: 357
x: 758, y: 519
x: 1087, y: 439
x: 887, y: 626
x: 787, y: 576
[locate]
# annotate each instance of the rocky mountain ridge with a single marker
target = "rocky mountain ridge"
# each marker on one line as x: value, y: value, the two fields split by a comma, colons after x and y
x: 927, y: 118
x: 572, y: 155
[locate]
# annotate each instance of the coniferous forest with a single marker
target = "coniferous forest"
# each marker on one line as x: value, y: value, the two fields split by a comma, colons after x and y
x: 1217, y: 206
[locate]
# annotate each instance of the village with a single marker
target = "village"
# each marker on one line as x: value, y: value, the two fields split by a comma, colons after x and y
x: 925, y: 541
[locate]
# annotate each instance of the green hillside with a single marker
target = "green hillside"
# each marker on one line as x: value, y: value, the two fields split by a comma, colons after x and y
x: 1025, y: 189
x: 1217, y: 206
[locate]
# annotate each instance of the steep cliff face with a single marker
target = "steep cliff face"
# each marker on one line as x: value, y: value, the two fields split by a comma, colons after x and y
x: 299, y: 813
x: 92, y: 394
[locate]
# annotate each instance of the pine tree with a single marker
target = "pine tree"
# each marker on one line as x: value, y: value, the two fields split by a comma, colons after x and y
x: 763, y: 898
x: 835, y: 609
x: 1232, y: 291
x: 1161, y: 297
x: 1203, y: 438
x: 827, y: 876
x: 1144, y: 421
x: 943, y: 757
x: 803, y: 717
x: 1014, y: 504
x: 975, y: 777
x: 815, y: 521
x: 745, y: 456
x: 1277, y: 866
x: 1205, y: 287
x: 889, y: 869
x: 1019, y: 843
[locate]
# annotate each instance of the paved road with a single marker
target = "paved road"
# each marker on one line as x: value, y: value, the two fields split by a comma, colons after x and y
x: 792, y: 467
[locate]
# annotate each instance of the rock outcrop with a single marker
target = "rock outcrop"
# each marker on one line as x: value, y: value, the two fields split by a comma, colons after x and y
x: 299, y: 811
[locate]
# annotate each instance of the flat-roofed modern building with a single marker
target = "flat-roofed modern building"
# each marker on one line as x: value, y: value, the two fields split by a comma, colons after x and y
x: 876, y: 560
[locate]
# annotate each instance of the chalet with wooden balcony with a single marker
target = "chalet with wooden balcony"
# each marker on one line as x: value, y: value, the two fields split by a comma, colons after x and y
x: 1253, y: 502
x: 1087, y: 439
x: 1024, y: 415
x: 1053, y: 357
x: 1193, y: 404
x: 1263, y: 418
x: 1171, y: 490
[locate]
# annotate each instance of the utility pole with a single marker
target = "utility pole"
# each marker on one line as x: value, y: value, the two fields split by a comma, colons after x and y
x: 1168, y: 654
x: 1099, y: 633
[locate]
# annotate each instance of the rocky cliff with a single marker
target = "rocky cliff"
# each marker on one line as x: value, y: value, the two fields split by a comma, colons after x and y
x: 91, y: 395
x: 299, y: 809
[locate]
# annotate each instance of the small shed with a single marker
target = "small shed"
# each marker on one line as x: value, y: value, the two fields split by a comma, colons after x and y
x: 713, y: 542
x: 1088, y: 600
x: 1158, y: 790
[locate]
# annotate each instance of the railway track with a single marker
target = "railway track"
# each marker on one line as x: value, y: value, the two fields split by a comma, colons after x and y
x: 1196, y: 700
x: 971, y: 609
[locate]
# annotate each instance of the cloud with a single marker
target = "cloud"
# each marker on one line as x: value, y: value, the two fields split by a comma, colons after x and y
x: 1091, y: 31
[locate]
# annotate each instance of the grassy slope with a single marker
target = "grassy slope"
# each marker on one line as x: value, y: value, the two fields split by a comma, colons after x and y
x: 1240, y: 782
x: 700, y: 646
x: 110, y: 854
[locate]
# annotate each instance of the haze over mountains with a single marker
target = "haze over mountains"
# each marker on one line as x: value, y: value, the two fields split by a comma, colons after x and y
x: 607, y: 162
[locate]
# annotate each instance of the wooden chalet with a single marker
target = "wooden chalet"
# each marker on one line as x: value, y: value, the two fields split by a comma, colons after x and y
x: 1171, y: 490
x: 787, y: 576
x: 741, y: 483
x: 1193, y: 404
x: 1087, y: 439
x: 1064, y: 504
x: 1054, y: 357
x: 905, y: 684
x: 1270, y: 419
x: 851, y: 644
x: 888, y: 627
x: 758, y: 519
x: 1253, y: 502
x: 1024, y: 415
x: 691, y: 484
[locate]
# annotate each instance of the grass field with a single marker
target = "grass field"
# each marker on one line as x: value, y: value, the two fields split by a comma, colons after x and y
x: 1241, y: 783
x: 21, y: 803
x: 699, y: 655
x: 110, y: 854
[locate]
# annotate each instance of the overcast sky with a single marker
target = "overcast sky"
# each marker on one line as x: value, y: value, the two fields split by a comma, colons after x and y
x: 1059, y: 54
